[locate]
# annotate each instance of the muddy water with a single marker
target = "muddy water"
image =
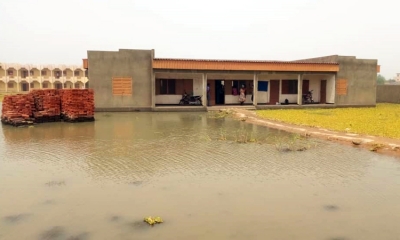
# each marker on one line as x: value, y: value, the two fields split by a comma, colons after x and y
x: 208, y: 178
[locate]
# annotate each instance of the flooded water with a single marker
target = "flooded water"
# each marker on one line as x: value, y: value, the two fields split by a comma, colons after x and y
x: 208, y: 178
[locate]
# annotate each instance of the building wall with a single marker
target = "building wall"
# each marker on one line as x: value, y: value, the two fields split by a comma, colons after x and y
x: 36, y: 75
x: 397, y: 77
x: 388, y: 93
x: 137, y: 64
x: 361, y: 77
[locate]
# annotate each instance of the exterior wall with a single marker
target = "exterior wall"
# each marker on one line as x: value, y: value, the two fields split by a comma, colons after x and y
x: 34, y: 75
x: 388, y: 93
x: 137, y: 64
x: 361, y: 77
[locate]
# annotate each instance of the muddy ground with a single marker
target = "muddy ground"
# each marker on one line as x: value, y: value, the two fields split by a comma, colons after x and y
x: 380, y: 145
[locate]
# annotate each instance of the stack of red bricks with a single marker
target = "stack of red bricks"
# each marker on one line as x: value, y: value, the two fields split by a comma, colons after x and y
x: 17, y: 109
x: 77, y: 105
x: 47, y: 105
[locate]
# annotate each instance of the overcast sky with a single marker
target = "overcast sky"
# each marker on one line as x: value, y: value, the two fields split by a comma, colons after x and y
x: 58, y: 31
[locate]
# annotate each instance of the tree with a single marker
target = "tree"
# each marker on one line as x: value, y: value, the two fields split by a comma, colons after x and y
x: 380, y: 80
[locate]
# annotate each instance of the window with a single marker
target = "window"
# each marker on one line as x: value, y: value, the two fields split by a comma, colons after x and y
x: 58, y: 74
x: 237, y: 84
x: 167, y: 86
x: 45, y: 85
x: 289, y: 87
x: 24, y: 73
x: 10, y: 85
x: 76, y: 85
x: 65, y: 73
x: 263, y: 86
x: 76, y: 73
x: 10, y: 72
x: 32, y: 72
x: 44, y: 72
x: 32, y: 85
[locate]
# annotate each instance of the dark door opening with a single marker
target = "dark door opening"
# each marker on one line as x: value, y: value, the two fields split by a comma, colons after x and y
x: 323, y: 92
x: 219, y: 92
x: 25, y: 87
x: 274, y: 92
x: 306, y: 86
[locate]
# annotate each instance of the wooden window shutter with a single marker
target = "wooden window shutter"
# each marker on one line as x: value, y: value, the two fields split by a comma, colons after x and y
x: 341, y: 87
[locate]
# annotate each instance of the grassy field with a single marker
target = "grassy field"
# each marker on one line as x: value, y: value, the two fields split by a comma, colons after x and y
x: 384, y: 120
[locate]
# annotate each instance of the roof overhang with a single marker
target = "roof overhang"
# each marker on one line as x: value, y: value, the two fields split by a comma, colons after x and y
x: 230, y: 65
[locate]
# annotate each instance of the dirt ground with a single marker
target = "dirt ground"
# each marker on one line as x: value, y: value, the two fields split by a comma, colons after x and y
x: 380, y: 145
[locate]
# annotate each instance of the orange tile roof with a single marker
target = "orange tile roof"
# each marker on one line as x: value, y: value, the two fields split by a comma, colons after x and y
x: 243, y: 65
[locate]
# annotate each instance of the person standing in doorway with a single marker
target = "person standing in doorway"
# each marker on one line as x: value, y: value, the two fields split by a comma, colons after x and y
x: 242, y: 96
x: 208, y: 94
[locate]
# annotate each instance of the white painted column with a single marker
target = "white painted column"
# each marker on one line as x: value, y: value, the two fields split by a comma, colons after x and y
x: 153, y: 89
x: 62, y: 79
x: 300, y: 89
x: 18, y: 81
x: 40, y: 78
x: 6, y: 78
x: 51, y: 79
x: 204, y: 79
x: 255, y: 88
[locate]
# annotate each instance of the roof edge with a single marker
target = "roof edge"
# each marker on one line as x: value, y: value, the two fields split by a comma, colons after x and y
x: 241, y: 61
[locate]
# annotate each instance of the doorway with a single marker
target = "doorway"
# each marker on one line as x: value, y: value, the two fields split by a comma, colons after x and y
x: 323, y: 92
x: 219, y: 92
x: 274, y: 92
x: 25, y: 87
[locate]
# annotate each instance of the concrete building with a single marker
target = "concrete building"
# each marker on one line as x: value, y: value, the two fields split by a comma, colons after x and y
x: 136, y: 80
x: 397, y: 77
x: 25, y: 77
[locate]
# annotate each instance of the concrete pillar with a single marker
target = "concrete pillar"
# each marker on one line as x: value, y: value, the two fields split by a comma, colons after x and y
x: 255, y: 88
x: 153, y: 89
x: 204, y: 78
x: 300, y: 89
x: 18, y: 82
x: 40, y: 78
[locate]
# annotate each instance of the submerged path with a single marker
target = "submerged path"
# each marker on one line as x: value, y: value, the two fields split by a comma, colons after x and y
x: 382, y: 145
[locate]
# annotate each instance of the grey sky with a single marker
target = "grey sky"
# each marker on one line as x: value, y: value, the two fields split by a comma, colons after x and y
x: 58, y: 31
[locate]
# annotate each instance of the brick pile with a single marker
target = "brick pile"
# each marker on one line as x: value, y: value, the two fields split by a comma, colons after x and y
x: 77, y: 105
x: 47, y: 105
x: 17, y: 109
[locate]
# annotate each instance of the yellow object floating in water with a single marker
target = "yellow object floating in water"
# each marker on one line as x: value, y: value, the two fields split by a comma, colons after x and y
x: 150, y: 220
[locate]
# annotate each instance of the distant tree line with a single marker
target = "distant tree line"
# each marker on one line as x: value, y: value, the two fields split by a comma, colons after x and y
x: 381, y: 80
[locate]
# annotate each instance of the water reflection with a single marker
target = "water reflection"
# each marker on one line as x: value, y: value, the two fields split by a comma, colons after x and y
x: 98, y: 180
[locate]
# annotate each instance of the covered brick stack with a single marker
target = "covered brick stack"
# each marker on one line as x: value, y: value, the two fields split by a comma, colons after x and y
x: 47, y: 105
x: 17, y: 109
x: 77, y: 105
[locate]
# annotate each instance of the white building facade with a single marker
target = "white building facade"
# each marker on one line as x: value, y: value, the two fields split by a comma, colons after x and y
x: 15, y: 78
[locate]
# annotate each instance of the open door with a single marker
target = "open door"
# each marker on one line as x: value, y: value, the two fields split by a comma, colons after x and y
x: 219, y: 92
x: 274, y: 92
x: 212, y: 92
x: 323, y: 92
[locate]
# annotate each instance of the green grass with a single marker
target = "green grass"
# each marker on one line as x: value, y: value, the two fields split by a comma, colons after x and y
x: 382, y: 120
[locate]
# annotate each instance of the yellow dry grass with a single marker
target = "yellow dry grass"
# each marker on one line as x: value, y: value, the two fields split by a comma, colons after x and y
x: 383, y: 120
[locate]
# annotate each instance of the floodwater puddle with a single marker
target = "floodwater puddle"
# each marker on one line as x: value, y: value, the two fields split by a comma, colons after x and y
x: 208, y: 177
